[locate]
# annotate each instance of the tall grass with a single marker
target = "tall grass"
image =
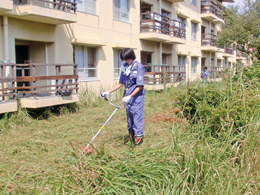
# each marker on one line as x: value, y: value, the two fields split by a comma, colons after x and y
x: 182, y: 157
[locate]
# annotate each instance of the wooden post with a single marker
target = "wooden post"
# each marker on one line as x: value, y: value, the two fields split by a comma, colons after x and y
x: 13, y: 82
x: 34, y: 81
x: 23, y: 81
x: 76, y: 73
x: 2, y: 83
x: 57, y: 81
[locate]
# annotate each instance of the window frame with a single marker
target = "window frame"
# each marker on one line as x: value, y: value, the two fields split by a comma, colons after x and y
x: 83, y: 5
x: 194, y: 35
x: 121, y: 19
x: 181, y: 69
x: 194, y: 2
x: 86, y: 63
x: 194, y: 66
x: 117, y: 61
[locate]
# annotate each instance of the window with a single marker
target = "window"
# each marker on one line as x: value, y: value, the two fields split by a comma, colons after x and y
x: 193, y: 31
x: 120, y: 8
x: 88, y: 6
x: 194, y: 2
x: 181, y: 63
x: 117, y: 63
x: 229, y: 65
x: 219, y: 63
x: 193, y: 65
x: 182, y: 20
x: 85, y: 57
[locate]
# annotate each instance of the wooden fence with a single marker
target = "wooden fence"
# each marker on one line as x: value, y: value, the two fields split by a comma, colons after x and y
x: 12, y: 85
x: 160, y: 74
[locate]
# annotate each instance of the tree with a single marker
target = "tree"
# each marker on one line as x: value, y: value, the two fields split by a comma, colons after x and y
x: 242, y: 27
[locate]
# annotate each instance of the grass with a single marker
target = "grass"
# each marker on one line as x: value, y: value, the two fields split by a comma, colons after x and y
x: 41, y: 153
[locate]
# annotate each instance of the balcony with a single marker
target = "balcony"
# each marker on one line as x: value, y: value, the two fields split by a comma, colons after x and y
x: 176, y: 1
x: 240, y: 54
x: 209, y: 42
x: 177, y: 32
x: 228, y: 51
x: 158, y: 75
x: 211, y: 12
x: 155, y: 27
x: 45, y: 11
x: 37, y: 91
x: 6, y: 5
x: 214, y: 72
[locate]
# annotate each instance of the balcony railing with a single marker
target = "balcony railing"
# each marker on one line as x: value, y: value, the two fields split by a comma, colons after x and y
x: 214, y: 72
x: 177, y: 29
x: 229, y: 50
x: 211, y: 7
x: 241, y: 54
x: 160, y: 74
x: 154, y: 22
x: 33, y: 85
x: 208, y: 40
x: 63, y: 5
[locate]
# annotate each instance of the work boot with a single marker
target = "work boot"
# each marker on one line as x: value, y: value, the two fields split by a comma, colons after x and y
x: 132, y: 137
x: 139, y: 140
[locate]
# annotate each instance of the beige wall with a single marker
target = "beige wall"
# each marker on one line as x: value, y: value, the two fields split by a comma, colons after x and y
x: 100, y: 30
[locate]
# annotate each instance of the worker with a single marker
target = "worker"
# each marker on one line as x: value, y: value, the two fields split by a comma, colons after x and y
x: 132, y: 77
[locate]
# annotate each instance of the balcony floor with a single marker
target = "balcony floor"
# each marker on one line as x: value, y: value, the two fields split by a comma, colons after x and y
x: 8, y: 106
x: 46, y: 100
x: 6, y: 5
x: 42, y: 14
x: 153, y: 36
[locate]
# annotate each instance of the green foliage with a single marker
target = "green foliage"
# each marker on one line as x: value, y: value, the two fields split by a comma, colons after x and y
x: 231, y: 106
x: 242, y: 27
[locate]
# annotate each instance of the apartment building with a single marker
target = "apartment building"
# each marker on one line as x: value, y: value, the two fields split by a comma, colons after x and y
x: 43, y: 40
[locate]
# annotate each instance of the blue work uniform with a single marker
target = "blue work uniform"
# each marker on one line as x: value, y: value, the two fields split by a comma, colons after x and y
x: 204, y: 75
x: 135, y: 106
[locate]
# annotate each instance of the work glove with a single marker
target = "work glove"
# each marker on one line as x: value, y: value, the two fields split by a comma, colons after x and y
x: 126, y: 99
x: 104, y: 94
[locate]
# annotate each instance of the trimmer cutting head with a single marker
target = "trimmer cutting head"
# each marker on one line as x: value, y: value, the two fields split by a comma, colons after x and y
x: 87, y: 150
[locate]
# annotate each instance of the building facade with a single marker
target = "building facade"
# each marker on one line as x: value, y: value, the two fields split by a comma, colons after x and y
x: 176, y: 37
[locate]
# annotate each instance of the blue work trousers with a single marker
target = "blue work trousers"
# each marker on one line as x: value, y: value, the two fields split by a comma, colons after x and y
x: 135, y: 117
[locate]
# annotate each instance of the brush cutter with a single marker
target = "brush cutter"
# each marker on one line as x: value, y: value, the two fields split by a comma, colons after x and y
x: 87, y: 149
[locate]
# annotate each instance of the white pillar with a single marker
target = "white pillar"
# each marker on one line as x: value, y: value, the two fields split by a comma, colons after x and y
x: 160, y: 53
x: 6, y: 45
x: 160, y: 6
x: 46, y: 61
x: 6, y: 38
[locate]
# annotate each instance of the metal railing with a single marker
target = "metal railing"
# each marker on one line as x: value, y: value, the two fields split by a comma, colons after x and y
x: 63, y: 5
x: 34, y: 84
x: 154, y: 22
x: 211, y: 7
x: 208, y: 40
x: 214, y: 72
x: 241, y: 54
x: 229, y: 50
x: 160, y: 74
x: 177, y: 29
